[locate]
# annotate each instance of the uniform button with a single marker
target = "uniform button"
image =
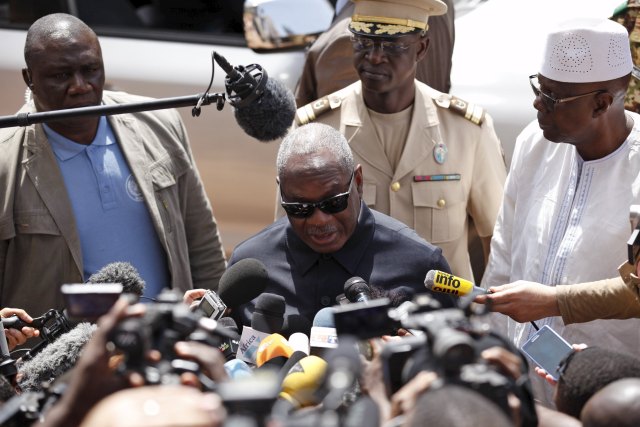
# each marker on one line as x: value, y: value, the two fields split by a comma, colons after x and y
x: 442, y: 203
x: 395, y: 186
x: 325, y: 301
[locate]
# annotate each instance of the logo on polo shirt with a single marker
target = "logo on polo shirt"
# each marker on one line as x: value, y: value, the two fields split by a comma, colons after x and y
x: 133, y: 190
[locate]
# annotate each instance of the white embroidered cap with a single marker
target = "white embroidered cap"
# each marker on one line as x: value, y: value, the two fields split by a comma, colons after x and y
x: 587, y: 50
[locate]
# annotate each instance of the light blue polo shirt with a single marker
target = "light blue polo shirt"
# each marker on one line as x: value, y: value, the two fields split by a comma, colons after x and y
x: 113, y: 221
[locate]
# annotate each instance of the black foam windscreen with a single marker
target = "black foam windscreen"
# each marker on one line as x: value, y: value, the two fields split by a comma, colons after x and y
x: 271, y: 115
x: 55, y: 359
x: 242, y: 282
x: 120, y: 272
x: 268, y: 315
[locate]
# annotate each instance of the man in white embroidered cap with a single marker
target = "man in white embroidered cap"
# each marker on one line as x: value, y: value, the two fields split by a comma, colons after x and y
x: 429, y: 159
x: 574, y: 174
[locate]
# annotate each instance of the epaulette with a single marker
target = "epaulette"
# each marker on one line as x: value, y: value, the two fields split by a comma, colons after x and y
x: 315, y: 109
x: 472, y: 112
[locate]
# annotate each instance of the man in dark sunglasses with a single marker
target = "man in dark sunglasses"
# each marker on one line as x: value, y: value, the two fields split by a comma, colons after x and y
x: 329, y: 236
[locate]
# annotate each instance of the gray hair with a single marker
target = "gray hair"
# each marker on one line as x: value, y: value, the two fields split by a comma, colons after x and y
x: 55, y: 25
x: 314, y: 138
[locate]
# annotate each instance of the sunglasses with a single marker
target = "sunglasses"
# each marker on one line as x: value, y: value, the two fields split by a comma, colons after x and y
x: 332, y: 205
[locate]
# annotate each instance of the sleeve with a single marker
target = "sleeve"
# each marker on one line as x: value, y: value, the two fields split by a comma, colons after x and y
x: 206, y: 254
x: 498, y: 271
x: 604, y: 299
x: 489, y: 175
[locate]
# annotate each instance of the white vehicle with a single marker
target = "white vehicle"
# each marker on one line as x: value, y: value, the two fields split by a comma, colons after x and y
x: 162, y: 48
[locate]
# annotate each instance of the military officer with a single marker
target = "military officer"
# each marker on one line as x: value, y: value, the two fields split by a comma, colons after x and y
x: 429, y: 159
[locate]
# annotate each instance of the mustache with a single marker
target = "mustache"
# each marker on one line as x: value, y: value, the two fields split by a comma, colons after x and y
x: 316, y: 230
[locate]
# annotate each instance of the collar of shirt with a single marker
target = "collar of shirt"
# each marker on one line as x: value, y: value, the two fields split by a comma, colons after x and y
x: 65, y: 149
x: 348, y: 256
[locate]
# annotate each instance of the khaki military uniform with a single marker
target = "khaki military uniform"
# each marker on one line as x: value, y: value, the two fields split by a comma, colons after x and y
x: 452, y: 167
x: 628, y: 15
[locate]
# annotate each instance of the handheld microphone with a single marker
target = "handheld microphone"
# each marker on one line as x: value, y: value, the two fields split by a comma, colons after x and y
x: 301, y: 386
x: 438, y: 281
x: 263, y: 107
x: 242, y: 282
x: 268, y: 315
x: 323, y: 332
x: 120, y: 272
x: 237, y: 369
x: 357, y: 290
x: 229, y: 345
x: 299, y: 342
x: 274, y: 350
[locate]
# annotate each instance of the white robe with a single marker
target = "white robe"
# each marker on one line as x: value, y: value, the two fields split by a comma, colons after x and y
x: 565, y: 221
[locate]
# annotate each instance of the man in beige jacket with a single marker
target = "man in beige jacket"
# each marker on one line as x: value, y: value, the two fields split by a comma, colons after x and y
x: 84, y: 192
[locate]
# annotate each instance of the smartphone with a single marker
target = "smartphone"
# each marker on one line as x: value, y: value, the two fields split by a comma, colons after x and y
x: 364, y: 320
x: 85, y: 301
x: 547, y: 349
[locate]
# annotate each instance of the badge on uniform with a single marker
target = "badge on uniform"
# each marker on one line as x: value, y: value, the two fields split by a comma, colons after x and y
x: 440, y: 153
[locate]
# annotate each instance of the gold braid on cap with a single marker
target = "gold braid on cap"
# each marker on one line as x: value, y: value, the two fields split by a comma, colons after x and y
x: 392, y: 21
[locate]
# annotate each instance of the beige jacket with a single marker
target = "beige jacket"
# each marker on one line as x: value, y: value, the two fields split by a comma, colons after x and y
x: 39, y: 244
x: 615, y: 298
x: 438, y: 210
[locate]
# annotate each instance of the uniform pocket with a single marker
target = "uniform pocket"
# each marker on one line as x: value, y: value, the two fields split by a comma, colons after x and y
x: 440, y: 210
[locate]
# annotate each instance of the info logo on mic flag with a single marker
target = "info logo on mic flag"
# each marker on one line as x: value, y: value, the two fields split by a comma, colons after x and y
x: 249, y: 343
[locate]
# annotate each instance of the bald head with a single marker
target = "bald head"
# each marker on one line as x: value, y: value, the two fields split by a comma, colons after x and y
x: 57, y: 26
x: 617, y: 404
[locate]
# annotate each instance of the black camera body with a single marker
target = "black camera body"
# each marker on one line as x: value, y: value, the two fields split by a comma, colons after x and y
x: 165, y: 322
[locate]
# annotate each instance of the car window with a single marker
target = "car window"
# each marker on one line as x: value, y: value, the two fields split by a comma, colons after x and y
x: 204, y: 21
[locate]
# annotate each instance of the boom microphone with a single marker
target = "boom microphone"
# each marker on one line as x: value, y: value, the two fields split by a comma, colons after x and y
x: 242, y: 282
x: 55, y: 359
x: 120, y: 272
x: 438, y: 281
x: 263, y: 107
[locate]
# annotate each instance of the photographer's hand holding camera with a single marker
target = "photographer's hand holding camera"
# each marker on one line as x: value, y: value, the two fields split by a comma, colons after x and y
x: 93, y: 377
x: 17, y: 337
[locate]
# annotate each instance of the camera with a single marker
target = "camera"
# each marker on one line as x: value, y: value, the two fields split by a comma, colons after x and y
x: 633, y: 244
x: 211, y: 305
x: 165, y: 322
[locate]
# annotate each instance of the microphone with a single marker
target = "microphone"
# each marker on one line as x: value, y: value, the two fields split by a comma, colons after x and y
x: 274, y: 350
x: 438, y: 281
x: 242, y: 282
x: 120, y: 272
x: 357, y: 290
x: 299, y: 342
x: 323, y: 332
x: 229, y: 345
x: 301, y: 386
x: 55, y: 359
x: 238, y: 369
x: 263, y: 107
x: 268, y: 315
x: 295, y: 357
